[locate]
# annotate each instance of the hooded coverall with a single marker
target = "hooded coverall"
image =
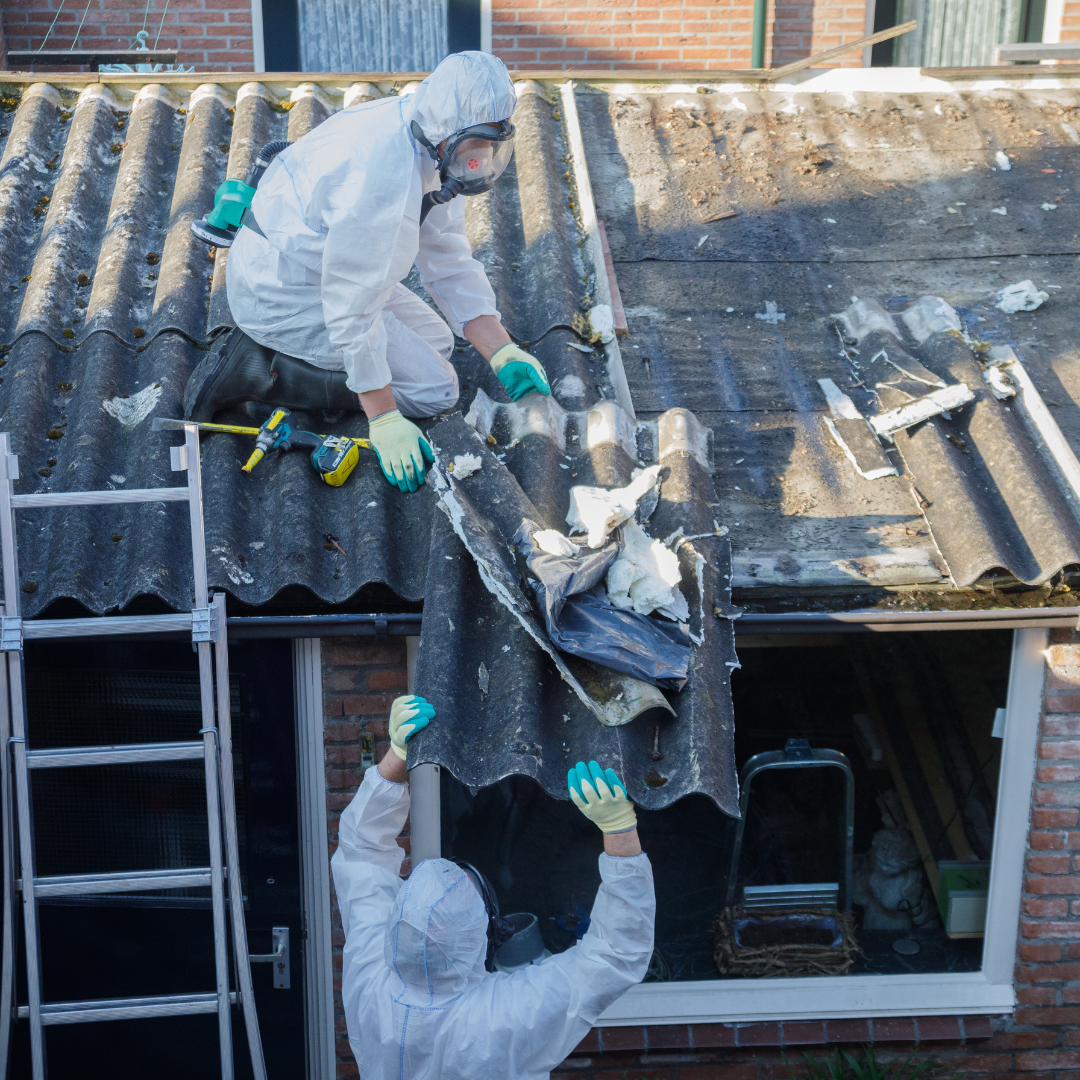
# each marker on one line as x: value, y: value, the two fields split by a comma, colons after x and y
x: 341, y: 214
x: 419, y: 1004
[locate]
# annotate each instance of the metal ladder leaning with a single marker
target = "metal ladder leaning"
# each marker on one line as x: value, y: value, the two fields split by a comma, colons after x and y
x: 207, y: 625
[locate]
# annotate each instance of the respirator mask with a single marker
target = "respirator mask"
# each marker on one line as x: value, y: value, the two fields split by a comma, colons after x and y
x: 471, y: 160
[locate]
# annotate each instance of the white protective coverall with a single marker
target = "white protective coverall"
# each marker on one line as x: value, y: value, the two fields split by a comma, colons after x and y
x: 341, y: 213
x: 419, y: 1004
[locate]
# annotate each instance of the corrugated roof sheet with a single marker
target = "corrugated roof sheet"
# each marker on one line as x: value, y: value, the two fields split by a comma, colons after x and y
x: 504, y: 706
x: 110, y: 303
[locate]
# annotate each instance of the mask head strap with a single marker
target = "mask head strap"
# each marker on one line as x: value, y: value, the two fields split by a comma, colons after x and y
x: 499, y: 931
x: 422, y: 139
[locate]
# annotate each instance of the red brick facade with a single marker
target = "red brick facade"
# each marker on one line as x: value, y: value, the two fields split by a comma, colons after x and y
x: 1070, y: 20
x: 214, y: 35
x: 530, y: 35
x: 666, y: 35
x: 360, y: 680
x: 1048, y: 968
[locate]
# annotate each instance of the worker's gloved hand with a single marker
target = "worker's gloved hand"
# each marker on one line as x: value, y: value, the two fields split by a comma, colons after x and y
x: 519, y: 372
x: 601, y: 797
x: 402, y: 449
x: 408, y: 715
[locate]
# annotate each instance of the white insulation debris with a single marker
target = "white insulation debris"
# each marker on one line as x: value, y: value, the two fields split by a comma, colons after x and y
x: 1020, y: 296
x: 466, y: 465
x: 646, y: 576
x: 134, y: 409
x: 596, y: 510
x: 553, y: 542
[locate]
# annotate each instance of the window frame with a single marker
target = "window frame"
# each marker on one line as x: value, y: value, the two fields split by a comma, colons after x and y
x: 988, y: 991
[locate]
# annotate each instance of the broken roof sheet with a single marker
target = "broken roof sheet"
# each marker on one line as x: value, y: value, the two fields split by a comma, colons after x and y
x: 507, y: 701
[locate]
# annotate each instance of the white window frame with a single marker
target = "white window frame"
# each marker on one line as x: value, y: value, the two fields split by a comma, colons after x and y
x: 258, y: 41
x: 485, y: 25
x: 987, y: 991
x: 314, y: 860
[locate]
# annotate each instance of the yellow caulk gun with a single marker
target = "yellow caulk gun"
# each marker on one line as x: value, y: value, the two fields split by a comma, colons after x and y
x: 333, y: 457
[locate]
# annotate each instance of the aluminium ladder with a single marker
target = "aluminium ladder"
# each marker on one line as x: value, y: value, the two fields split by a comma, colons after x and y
x: 214, y: 747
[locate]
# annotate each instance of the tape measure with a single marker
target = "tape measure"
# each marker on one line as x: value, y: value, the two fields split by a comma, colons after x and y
x: 335, y: 458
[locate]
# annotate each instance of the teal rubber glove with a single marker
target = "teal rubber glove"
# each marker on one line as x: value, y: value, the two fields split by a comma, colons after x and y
x: 402, y: 449
x: 519, y: 372
x: 408, y: 715
x: 601, y: 796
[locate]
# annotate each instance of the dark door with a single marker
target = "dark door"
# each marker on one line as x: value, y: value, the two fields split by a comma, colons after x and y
x: 136, y: 817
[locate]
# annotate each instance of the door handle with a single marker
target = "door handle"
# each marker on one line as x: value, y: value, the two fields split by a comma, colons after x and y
x: 279, y: 958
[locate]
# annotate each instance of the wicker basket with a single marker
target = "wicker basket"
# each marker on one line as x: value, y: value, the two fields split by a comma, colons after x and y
x: 784, y: 943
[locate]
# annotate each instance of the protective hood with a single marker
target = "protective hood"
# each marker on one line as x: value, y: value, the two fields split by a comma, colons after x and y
x: 436, y: 935
x: 467, y: 88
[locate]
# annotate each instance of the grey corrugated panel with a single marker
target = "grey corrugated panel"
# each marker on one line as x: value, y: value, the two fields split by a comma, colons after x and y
x: 372, y: 35
x: 108, y: 209
x: 263, y: 533
x: 529, y: 721
x: 798, y: 512
x: 956, y: 33
x: 995, y: 499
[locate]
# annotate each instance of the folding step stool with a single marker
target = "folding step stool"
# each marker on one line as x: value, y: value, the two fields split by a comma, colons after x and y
x: 207, y: 625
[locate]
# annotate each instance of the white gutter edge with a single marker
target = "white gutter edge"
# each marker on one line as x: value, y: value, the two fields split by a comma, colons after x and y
x: 592, y: 251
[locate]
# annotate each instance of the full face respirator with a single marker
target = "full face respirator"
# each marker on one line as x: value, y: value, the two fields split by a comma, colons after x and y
x: 471, y: 160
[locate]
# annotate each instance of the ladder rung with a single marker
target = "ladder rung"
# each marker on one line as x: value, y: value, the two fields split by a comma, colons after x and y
x: 96, y: 626
x: 137, y: 1008
x: 129, y: 881
x: 68, y: 756
x: 101, y: 498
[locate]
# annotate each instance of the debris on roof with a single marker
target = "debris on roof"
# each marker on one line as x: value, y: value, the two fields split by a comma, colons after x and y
x: 897, y: 200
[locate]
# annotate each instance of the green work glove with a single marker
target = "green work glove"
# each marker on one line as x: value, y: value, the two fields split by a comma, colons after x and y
x: 519, y: 372
x: 408, y: 715
x: 601, y: 797
x: 402, y: 449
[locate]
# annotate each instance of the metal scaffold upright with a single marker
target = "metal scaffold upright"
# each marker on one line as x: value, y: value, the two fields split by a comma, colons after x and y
x: 213, y: 745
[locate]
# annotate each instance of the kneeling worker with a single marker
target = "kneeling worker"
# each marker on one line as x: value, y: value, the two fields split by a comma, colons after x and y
x: 339, y: 218
x: 419, y: 1002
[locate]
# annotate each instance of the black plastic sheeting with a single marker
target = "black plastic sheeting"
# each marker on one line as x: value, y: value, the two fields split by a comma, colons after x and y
x: 505, y: 706
x: 582, y: 623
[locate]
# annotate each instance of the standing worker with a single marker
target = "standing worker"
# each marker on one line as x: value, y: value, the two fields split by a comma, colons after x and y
x: 419, y: 1002
x: 338, y: 219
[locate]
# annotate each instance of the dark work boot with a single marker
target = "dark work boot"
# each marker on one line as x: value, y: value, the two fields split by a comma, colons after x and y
x: 300, y: 385
x: 240, y: 369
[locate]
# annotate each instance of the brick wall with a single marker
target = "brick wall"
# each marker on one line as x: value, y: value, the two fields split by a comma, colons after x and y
x: 805, y: 29
x: 1048, y: 968
x: 214, y: 35
x: 1070, y: 21
x: 360, y: 680
x: 666, y: 35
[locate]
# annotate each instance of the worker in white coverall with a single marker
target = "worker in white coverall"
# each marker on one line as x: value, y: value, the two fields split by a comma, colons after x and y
x: 337, y: 222
x: 419, y: 1001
